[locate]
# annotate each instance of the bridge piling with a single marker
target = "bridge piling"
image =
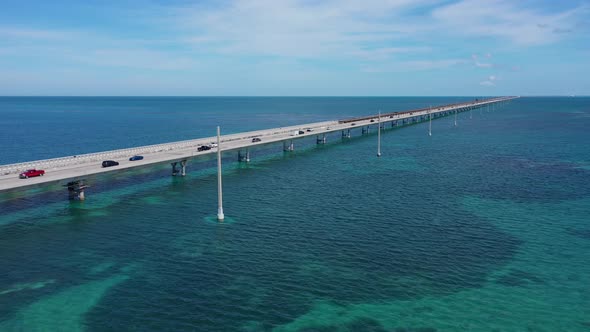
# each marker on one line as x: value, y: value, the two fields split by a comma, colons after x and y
x: 244, y: 158
x: 76, y: 190
x: 321, y: 140
x: 174, y: 170
x: 183, y: 164
x: 288, y: 147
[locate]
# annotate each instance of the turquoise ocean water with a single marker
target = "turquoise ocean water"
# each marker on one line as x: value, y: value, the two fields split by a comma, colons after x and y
x: 481, y: 227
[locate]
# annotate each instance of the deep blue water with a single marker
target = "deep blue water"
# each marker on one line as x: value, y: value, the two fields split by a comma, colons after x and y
x: 481, y: 227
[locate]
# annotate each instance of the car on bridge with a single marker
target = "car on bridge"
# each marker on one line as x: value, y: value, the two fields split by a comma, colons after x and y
x: 203, y: 148
x: 31, y: 173
x: 109, y: 163
x: 134, y: 158
x: 256, y: 139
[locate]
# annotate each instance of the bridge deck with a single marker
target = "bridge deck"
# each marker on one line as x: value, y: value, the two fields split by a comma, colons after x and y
x: 71, y: 168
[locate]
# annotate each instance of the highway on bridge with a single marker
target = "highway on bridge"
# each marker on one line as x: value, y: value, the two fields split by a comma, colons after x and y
x: 72, y: 168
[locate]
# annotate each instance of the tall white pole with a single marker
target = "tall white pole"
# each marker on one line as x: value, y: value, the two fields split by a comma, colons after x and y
x: 220, y: 215
x: 430, y: 123
x: 379, y: 135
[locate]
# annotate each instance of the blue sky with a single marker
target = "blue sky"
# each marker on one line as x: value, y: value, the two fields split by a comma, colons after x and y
x: 295, y: 48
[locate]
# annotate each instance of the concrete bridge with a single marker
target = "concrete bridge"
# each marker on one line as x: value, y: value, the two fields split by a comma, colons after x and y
x: 73, y: 171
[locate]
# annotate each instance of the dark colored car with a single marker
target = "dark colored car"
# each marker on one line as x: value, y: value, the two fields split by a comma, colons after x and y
x: 372, y: 120
x: 134, y: 158
x: 203, y: 148
x: 31, y: 173
x: 256, y: 139
x: 301, y: 132
x: 109, y: 163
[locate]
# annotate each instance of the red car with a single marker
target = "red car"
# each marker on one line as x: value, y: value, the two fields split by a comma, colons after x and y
x: 31, y: 172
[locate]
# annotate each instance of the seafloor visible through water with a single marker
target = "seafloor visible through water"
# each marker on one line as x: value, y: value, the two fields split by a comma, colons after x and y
x: 481, y: 227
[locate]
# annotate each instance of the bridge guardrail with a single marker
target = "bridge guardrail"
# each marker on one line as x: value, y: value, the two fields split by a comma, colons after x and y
x: 53, y: 163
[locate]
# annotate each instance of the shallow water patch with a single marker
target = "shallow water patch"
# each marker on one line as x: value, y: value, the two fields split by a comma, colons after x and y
x: 63, y: 311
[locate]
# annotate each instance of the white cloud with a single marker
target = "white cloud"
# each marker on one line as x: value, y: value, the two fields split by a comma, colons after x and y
x: 374, y: 34
x: 35, y: 34
x: 483, y: 65
x: 507, y: 20
x: 414, y: 65
x: 387, y: 52
x: 303, y: 29
x: 134, y: 58
x: 479, y: 64
x: 491, y: 81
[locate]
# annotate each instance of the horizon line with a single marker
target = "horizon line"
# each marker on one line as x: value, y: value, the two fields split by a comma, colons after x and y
x: 277, y: 96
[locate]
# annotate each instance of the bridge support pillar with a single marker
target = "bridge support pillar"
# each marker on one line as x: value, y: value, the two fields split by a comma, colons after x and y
x: 288, y: 147
x: 76, y: 190
x: 174, y: 170
x: 183, y: 164
x: 244, y: 158
x: 366, y: 130
x: 321, y: 140
x: 346, y: 134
